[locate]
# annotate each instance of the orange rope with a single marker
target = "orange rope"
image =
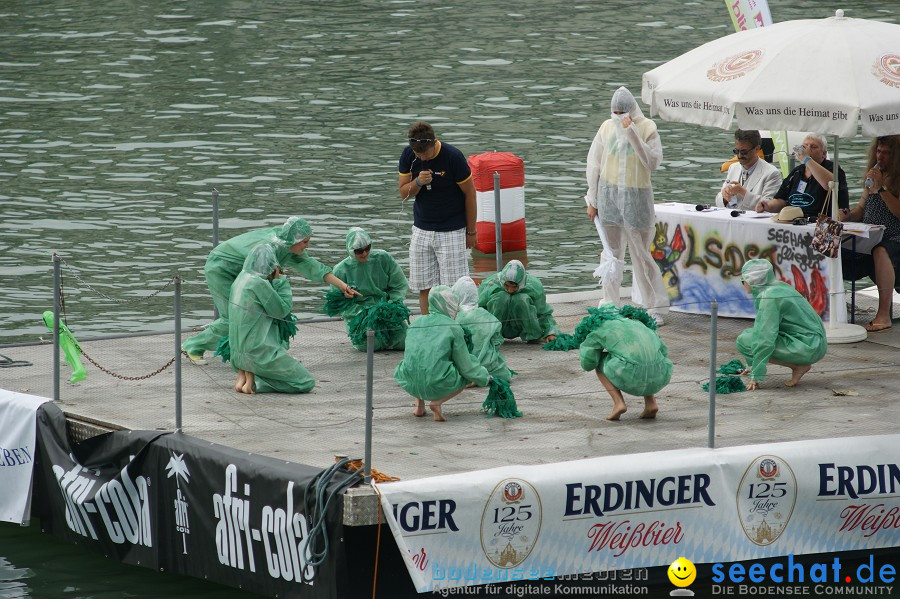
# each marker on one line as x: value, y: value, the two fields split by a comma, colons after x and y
x: 378, y: 477
x: 377, y: 543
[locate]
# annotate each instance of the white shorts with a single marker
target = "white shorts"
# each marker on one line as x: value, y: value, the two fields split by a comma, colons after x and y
x: 437, y: 258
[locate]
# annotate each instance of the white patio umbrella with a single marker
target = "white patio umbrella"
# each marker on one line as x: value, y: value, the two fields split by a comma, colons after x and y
x: 822, y: 75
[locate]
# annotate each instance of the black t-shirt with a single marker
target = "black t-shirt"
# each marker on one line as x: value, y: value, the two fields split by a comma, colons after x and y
x: 443, y: 207
x: 795, y: 181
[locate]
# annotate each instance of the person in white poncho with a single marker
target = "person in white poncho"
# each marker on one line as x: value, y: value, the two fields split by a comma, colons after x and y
x: 619, y: 201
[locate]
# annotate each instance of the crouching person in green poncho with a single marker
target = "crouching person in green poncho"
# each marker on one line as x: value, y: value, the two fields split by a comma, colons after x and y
x: 519, y: 303
x: 627, y: 355
x: 226, y: 260
x: 436, y: 364
x: 787, y: 331
x: 376, y: 275
x: 483, y: 327
x: 260, y: 297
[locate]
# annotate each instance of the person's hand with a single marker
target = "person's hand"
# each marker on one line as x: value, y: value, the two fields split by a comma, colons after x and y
x: 548, y: 338
x: 843, y: 214
x: 591, y: 213
x: 801, y: 152
x: 752, y: 385
x: 425, y: 177
x: 626, y: 121
x: 737, y: 189
x: 762, y: 205
x: 876, y: 176
x: 349, y: 292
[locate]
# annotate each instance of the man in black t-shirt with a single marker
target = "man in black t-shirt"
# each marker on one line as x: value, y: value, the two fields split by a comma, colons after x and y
x: 807, y: 185
x: 437, y: 176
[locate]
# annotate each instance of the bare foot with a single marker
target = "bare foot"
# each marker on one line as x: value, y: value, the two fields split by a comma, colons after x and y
x: 649, y: 412
x: 248, y: 386
x: 419, y: 410
x: 435, y: 407
x: 798, y: 372
x: 241, y: 380
x: 617, y: 411
x: 745, y: 372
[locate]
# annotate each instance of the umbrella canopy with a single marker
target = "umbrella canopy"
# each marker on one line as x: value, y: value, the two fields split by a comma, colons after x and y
x: 822, y: 75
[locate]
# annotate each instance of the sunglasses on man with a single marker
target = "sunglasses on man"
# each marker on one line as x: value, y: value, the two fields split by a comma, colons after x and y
x: 418, y: 142
x: 737, y: 152
x: 361, y: 251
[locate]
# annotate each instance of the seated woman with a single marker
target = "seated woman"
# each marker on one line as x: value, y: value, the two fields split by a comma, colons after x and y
x: 787, y: 331
x: 436, y: 363
x: 879, y: 205
x: 260, y: 297
x: 628, y: 356
x: 519, y: 303
x: 376, y: 275
x: 483, y: 327
x: 226, y: 260
x: 806, y: 186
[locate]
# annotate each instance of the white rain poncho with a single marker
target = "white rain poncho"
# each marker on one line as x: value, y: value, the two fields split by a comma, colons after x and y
x: 618, y: 176
x: 786, y: 326
x: 484, y: 328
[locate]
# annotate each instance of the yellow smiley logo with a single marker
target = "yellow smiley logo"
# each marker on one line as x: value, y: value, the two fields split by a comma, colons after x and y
x: 682, y: 572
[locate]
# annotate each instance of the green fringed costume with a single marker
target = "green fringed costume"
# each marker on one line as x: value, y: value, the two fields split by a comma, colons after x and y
x: 226, y: 260
x: 524, y: 313
x: 380, y: 280
x: 436, y: 362
x: 483, y: 327
x: 254, y: 336
x: 786, y: 327
x: 628, y: 353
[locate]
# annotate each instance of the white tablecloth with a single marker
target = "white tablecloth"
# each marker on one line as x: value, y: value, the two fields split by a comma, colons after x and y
x: 701, y: 255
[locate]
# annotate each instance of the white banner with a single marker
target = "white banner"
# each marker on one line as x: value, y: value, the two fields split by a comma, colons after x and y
x: 701, y: 254
x: 645, y: 510
x: 18, y: 418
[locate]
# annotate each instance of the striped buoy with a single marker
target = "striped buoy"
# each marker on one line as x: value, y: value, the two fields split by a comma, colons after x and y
x: 512, y: 200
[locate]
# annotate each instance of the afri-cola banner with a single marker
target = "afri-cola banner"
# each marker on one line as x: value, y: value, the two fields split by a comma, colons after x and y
x: 178, y: 504
x: 644, y: 510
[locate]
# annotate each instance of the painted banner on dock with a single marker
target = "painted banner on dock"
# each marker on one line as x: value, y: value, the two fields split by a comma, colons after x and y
x: 174, y: 503
x: 18, y: 416
x: 645, y: 510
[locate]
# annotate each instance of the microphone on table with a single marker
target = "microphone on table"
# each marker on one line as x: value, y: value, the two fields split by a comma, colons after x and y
x: 737, y: 212
x: 702, y: 207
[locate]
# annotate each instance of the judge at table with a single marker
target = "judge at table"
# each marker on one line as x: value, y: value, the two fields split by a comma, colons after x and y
x: 750, y: 178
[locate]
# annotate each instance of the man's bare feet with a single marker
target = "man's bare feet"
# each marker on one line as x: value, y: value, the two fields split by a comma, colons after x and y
x: 419, y: 410
x: 435, y: 407
x: 617, y: 411
x: 752, y: 385
x: 241, y: 380
x: 650, y: 408
x: 797, y: 373
x: 745, y: 372
x: 248, y: 386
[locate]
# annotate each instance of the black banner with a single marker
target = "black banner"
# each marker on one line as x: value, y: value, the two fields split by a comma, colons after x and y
x: 178, y: 504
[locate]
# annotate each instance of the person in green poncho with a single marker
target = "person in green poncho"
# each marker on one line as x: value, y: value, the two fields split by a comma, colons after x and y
x: 627, y: 355
x: 787, y: 331
x: 260, y: 297
x: 226, y: 260
x: 483, y: 327
x: 436, y: 363
x: 376, y: 275
x: 518, y: 301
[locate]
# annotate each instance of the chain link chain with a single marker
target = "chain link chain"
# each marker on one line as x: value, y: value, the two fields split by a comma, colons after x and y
x: 129, y: 378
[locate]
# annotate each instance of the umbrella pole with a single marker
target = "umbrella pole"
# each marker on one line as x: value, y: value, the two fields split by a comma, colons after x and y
x: 838, y: 332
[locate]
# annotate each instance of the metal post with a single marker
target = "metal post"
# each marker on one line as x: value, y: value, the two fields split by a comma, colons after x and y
x: 711, y: 418
x: 498, y: 222
x: 57, y: 278
x: 177, y: 354
x: 370, y: 370
x: 215, y: 233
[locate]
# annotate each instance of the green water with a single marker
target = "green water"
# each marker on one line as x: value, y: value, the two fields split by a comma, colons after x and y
x: 117, y: 119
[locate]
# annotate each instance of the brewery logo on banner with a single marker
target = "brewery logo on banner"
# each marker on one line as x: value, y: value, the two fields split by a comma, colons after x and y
x: 119, y: 506
x: 178, y: 468
x: 283, y: 534
x: 511, y: 523
x: 887, y: 69
x: 765, y: 499
x: 735, y: 66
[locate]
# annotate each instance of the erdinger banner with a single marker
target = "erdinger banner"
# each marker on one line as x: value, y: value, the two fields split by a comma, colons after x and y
x: 644, y: 510
x: 18, y: 413
x: 177, y: 504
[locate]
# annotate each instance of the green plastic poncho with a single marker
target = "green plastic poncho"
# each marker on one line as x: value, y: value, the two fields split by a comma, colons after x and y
x: 379, y: 279
x: 484, y: 328
x: 253, y: 332
x: 436, y: 362
x: 226, y: 260
x: 522, y: 314
x: 628, y: 353
x: 786, y: 328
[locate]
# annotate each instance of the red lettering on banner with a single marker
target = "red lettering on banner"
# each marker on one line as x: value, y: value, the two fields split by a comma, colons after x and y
x: 620, y: 537
x: 420, y: 559
x: 869, y: 518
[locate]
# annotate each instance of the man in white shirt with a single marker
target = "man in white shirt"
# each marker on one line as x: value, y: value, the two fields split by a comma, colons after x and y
x: 750, y: 179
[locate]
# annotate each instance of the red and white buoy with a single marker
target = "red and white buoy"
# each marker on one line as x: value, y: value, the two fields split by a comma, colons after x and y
x: 512, y: 200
